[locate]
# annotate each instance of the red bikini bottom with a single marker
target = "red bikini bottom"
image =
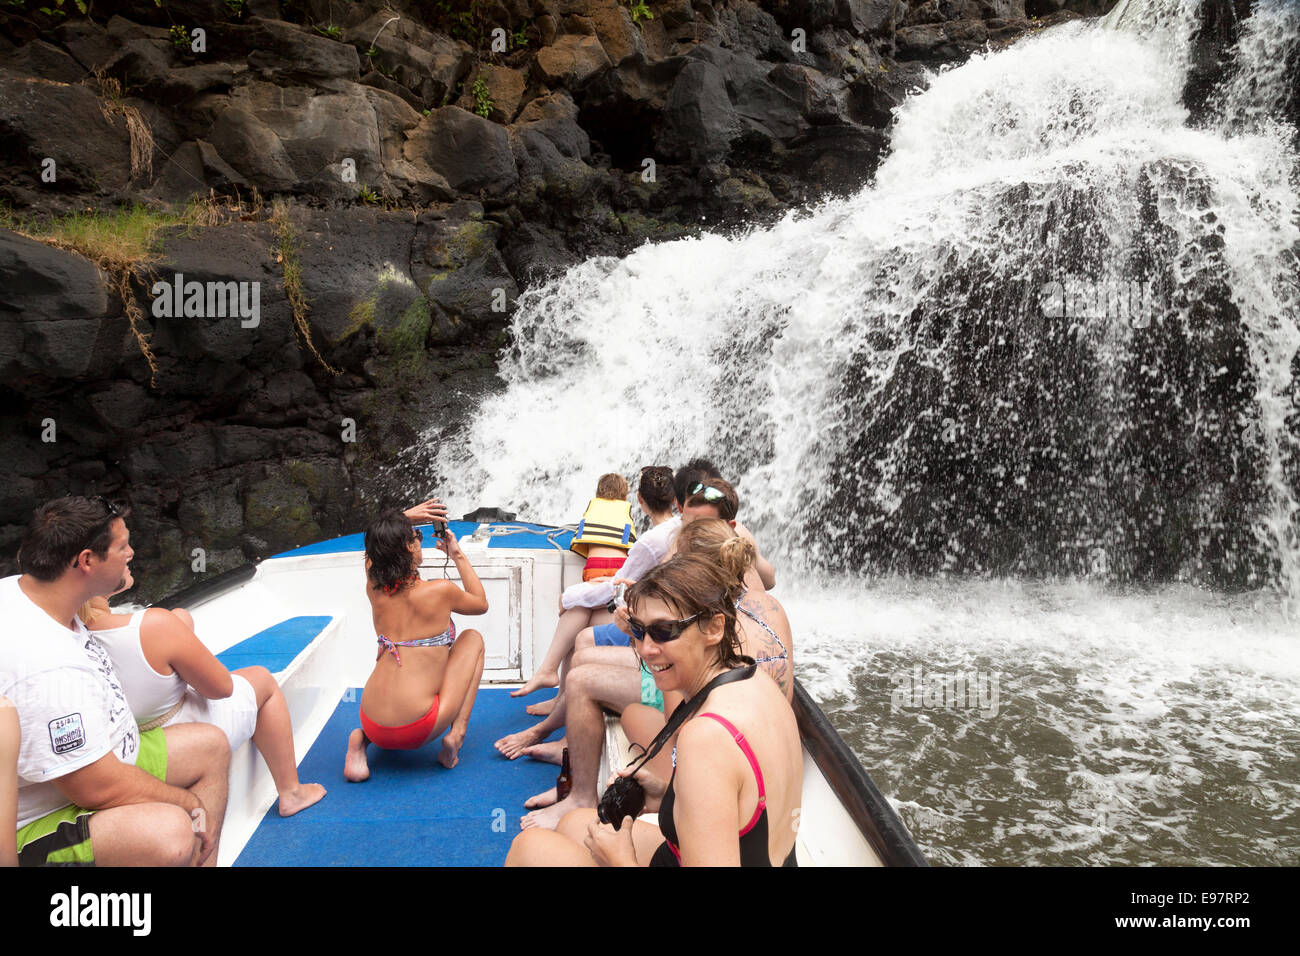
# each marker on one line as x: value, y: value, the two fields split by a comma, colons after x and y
x: 597, y: 568
x: 407, y: 737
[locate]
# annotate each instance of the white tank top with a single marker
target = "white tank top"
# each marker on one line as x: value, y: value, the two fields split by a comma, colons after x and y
x: 148, y: 693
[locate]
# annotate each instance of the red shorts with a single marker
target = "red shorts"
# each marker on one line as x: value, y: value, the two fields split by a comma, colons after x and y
x: 597, y: 568
x: 407, y: 737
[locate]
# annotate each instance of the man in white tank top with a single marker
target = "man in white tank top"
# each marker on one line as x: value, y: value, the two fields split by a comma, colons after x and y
x: 92, y: 788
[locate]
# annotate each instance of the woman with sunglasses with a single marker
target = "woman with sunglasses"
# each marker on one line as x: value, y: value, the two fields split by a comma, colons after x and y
x: 9, y: 739
x: 426, y: 675
x: 734, y: 795
x: 764, y: 627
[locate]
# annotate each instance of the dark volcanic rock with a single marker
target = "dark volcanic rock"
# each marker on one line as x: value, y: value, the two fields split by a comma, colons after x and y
x: 40, y: 119
x: 55, y: 313
x: 48, y: 62
x: 470, y: 152
x: 455, y: 262
x: 699, y: 119
x: 281, y: 51
x: 427, y: 64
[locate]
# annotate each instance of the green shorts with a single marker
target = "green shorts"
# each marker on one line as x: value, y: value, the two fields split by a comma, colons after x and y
x: 651, y: 695
x: 62, y: 838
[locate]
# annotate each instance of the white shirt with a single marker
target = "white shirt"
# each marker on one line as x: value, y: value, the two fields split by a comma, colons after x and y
x: 70, y: 703
x: 648, y: 551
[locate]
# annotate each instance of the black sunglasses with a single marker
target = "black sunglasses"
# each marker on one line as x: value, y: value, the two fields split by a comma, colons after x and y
x: 109, y: 507
x: 660, y: 632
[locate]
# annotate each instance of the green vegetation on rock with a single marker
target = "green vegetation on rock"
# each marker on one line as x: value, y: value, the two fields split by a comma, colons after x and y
x: 405, y: 342
x: 482, y: 97
x: 291, y: 269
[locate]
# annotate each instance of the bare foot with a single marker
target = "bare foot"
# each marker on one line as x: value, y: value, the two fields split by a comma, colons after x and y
x: 301, y: 797
x: 355, y: 768
x: 513, y: 745
x: 451, y: 744
x: 539, y: 800
x: 548, y: 817
x: 537, y: 682
x: 551, y: 752
x: 541, y: 710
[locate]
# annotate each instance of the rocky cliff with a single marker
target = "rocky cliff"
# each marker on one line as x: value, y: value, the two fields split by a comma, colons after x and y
x: 259, y: 255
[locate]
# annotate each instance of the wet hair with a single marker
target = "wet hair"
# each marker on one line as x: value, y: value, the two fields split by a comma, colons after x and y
x: 695, y: 470
x: 717, y: 542
x: 727, y: 506
x: 656, y: 487
x: 388, y: 548
x: 690, y: 584
x: 61, y: 529
x: 612, y: 487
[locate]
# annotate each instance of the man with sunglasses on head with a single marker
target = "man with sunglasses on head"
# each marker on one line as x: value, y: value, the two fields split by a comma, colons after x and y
x: 715, y: 498
x: 93, y: 790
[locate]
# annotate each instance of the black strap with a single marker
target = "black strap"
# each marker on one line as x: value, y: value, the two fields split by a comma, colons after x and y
x: 683, y: 712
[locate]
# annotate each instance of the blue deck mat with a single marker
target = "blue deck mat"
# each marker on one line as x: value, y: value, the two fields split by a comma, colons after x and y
x: 356, y: 542
x: 412, y: 811
x: 277, y: 646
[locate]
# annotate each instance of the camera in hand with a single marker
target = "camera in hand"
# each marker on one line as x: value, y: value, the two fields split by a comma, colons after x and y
x: 622, y: 799
x: 625, y: 797
x: 440, y: 527
x: 619, y: 600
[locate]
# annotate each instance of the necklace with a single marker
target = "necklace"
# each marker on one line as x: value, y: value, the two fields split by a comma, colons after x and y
x: 392, y: 589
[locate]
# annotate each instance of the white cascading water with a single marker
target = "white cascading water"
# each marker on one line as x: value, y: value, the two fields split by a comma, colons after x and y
x: 1043, y: 364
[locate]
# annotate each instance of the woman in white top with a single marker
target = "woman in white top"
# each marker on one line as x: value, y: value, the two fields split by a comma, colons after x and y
x: 170, y: 677
x: 9, y: 739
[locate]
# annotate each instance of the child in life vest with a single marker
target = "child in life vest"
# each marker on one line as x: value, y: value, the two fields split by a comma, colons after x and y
x: 605, y: 532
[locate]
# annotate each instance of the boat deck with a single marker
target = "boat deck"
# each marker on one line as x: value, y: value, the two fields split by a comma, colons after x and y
x: 412, y: 811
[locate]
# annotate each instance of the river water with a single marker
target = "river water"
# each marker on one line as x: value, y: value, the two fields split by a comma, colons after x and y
x: 1017, y: 422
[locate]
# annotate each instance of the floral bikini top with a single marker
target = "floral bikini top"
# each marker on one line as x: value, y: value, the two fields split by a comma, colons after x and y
x: 445, y: 639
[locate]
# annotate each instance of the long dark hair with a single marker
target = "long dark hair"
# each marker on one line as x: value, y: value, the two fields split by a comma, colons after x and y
x: 388, y: 548
x: 690, y: 584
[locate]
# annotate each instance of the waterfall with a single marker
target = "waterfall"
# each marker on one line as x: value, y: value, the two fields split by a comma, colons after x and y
x: 1057, y: 334
x: 1262, y: 83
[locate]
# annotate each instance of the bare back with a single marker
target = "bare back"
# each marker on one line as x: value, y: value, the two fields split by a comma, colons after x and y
x: 398, y: 694
x: 774, y: 649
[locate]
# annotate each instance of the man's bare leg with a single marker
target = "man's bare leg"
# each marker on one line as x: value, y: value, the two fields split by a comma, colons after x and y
x: 273, y: 736
x: 144, y: 834
x: 587, y: 690
x: 198, y: 760
x: 551, y: 751
x: 622, y: 656
x: 512, y: 745
x: 541, y: 709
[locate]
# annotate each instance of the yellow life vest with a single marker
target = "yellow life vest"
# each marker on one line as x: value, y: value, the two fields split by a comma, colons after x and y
x: 606, y: 522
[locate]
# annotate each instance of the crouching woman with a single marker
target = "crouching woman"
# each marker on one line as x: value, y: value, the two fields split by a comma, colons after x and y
x: 734, y: 795
x: 426, y: 675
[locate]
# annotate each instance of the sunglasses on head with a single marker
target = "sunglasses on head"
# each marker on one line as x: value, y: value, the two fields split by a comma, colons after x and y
x: 109, y: 507
x: 710, y: 493
x: 661, y: 632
